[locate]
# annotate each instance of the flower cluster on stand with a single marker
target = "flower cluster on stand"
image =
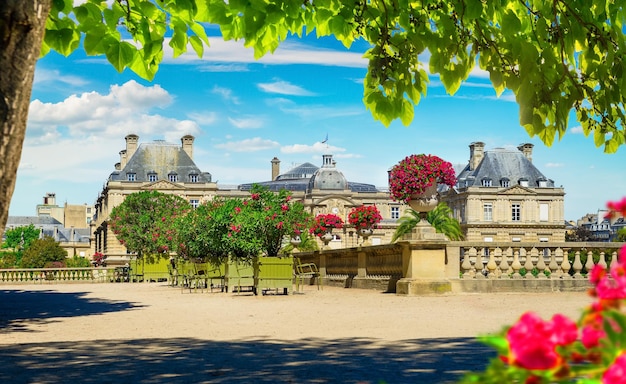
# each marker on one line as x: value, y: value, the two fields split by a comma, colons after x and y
x: 559, y: 350
x: 98, y: 259
x: 364, y: 216
x: 324, y: 223
x: 415, y: 173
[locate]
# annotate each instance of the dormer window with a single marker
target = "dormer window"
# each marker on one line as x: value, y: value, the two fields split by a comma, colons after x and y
x: 486, y: 182
x: 542, y: 183
x: 152, y: 177
x: 172, y: 177
x: 505, y: 183
x: 523, y: 182
x: 193, y: 178
x: 131, y: 177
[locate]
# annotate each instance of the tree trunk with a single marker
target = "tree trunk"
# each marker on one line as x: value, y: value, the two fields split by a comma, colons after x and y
x: 22, y: 27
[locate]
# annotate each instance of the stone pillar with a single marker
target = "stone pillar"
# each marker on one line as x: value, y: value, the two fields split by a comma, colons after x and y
x: 424, y: 263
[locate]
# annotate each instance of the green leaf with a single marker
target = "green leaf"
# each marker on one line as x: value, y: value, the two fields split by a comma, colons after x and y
x: 197, y: 45
x: 407, y: 112
x: 120, y: 54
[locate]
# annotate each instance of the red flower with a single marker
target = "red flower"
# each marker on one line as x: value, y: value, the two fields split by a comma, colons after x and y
x: 533, y: 341
x: 415, y: 173
x: 364, y: 216
x: 616, y: 374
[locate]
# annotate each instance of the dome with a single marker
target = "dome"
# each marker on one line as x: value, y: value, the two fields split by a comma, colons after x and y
x: 328, y: 177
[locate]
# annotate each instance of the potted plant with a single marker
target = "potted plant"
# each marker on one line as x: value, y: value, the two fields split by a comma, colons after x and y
x: 364, y: 216
x: 415, y: 178
x: 324, y: 225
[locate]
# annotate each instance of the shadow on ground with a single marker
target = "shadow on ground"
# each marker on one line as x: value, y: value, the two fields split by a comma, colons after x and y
x: 19, y: 308
x: 188, y: 360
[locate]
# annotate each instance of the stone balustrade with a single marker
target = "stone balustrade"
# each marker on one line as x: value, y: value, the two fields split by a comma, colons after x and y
x: 59, y: 275
x: 469, y: 266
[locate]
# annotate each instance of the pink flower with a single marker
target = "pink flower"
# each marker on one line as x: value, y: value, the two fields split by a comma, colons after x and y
x: 591, y: 335
x: 616, y: 373
x: 533, y: 341
x: 237, y: 209
x: 255, y: 196
x: 284, y: 207
x: 279, y: 225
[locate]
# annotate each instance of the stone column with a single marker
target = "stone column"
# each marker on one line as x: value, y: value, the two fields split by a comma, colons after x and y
x: 424, y: 263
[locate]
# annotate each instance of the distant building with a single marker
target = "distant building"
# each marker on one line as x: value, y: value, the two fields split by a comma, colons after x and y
x: 69, y: 215
x: 600, y: 227
x: 501, y: 196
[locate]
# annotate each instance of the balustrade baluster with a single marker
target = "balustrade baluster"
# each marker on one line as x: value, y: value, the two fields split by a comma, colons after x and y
x: 578, y: 266
x: 504, y: 264
x: 565, y: 264
x: 589, y: 264
x: 466, y: 265
x: 602, y: 261
x: 491, y: 264
x: 516, y: 265
x: 554, y: 266
x: 614, y: 258
x: 541, y: 264
x: 528, y: 264
x: 478, y: 264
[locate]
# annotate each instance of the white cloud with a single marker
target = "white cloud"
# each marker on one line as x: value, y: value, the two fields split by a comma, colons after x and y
x: 246, y: 123
x: 284, y: 88
x: 223, y: 68
x: 226, y: 94
x: 318, y: 148
x: 44, y: 76
x: 125, y: 109
x: 554, y: 165
x: 203, y: 118
x: 289, y: 52
x: 249, y: 145
x: 576, y: 129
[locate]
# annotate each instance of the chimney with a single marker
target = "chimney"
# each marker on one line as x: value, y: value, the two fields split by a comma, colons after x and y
x: 49, y: 199
x: 187, y: 142
x: 477, y: 150
x: 275, y: 168
x: 123, y: 159
x: 527, y: 150
x: 131, y: 146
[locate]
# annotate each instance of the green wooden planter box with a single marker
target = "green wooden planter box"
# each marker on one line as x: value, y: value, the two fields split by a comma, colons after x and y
x: 141, y: 270
x: 238, y: 276
x: 273, y: 273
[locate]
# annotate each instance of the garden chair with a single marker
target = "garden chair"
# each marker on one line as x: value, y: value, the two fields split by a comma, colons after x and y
x: 306, y: 271
x: 203, y: 275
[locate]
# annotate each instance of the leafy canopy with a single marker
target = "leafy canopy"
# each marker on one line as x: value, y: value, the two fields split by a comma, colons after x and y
x: 555, y: 56
x: 43, y: 253
x: 20, y: 238
x: 144, y: 222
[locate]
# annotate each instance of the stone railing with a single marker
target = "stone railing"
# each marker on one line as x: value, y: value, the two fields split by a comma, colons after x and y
x: 468, y: 266
x: 61, y: 275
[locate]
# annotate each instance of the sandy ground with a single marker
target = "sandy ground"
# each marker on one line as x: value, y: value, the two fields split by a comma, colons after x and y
x: 153, y: 333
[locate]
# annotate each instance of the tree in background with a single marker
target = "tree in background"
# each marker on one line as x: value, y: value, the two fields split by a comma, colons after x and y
x: 20, y: 238
x: 441, y: 218
x: 44, y: 253
x: 203, y: 232
x: 581, y: 233
x: 556, y: 57
x: 144, y: 222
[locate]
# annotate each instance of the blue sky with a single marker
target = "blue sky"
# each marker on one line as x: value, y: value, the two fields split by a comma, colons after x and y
x: 244, y: 112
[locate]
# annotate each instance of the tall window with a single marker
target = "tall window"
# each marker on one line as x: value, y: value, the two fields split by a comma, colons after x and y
x: 395, y: 212
x: 173, y: 177
x: 505, y: 183
x: 543, y: 212
x: 486, y: 182
x: 194, y: 203
x: 516, y: 212
x: 193, y: 178
x: 131, y: 177
x: 488, y: 212
x: 152, y: 177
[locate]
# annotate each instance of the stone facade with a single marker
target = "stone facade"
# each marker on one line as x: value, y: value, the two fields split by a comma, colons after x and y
x: 501, y: 196
x: 169, y: 168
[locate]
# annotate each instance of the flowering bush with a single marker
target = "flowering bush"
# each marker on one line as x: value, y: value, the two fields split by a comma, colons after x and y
x: 415, y: 173
x: 98, y: 259
x: 325, y: 223
x: 593, y: 350
x: 364, y: 216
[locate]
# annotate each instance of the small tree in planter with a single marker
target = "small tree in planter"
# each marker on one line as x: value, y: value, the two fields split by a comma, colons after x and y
x: 414, y: 174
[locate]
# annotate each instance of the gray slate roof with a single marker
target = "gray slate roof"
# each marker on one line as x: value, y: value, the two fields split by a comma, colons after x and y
x: 163, y: 159
x: 299, y: 179
x: 499, y: 164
